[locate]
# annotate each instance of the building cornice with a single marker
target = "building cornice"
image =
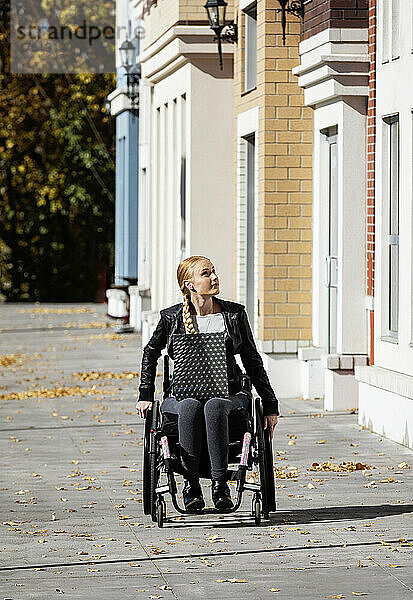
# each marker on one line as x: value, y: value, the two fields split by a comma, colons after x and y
x: 119, y: 101
x: 177, y: 46
x: 333, y: 64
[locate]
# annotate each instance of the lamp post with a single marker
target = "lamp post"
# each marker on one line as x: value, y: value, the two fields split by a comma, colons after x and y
x: 216, y: 10
x: 133, y: 71
x: 126, y: 111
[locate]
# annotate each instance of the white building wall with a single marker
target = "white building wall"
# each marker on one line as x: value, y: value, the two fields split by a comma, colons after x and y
x: 395, y: 96
x: 210, y: 170
x: 186, y: 111
x: 145, y: 216
x: 333, y: 71
x: 167, y: 107
x: 386, y: 388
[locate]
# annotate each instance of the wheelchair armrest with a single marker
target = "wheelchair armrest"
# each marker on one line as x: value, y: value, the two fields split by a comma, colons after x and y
x: 246, y: 384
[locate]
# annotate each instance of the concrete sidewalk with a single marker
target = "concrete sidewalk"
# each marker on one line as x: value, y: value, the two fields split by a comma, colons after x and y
x: 71, y: 511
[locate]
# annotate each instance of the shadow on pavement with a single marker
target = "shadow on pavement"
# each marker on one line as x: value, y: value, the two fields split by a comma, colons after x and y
x: 299, y: 516
x: 339, y: 513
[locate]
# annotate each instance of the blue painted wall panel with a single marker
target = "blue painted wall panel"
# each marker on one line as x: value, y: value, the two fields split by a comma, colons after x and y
x: 126, y: 220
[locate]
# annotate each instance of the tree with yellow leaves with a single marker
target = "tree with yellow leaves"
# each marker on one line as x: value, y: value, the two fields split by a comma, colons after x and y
x: 56, y: 181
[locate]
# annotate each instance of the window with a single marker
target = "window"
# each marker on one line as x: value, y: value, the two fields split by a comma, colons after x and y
x: 391, y: 219
x: 250, y: 68
x: 390, y: 14
x: 182, y: 181
x: 385, y: 30
x: 250, y: 230
x: 332, y: 257
x: 395, y: 29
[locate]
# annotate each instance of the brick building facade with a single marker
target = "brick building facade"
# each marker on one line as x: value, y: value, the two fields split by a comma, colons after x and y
x: 371, y: 169
x: 334, y: 14
x: 283, y: 188
x: 270, y: 260
x: 273, y: 264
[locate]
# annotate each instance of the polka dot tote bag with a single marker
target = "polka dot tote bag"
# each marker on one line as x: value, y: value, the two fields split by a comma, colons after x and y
x: 200, y: 366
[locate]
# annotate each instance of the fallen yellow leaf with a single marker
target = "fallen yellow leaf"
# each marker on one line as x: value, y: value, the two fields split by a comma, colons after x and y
x: 233, y: 580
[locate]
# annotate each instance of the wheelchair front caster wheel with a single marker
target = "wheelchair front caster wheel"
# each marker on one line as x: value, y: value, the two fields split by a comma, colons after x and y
x: 257, y: 512
x: 160, y: 513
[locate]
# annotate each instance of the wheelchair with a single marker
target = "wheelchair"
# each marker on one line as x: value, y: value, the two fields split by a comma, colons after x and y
x: 250, y: 458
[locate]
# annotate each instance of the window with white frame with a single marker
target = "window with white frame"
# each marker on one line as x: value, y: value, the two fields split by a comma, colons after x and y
x: 395, y: 29
x: 390, y: 29
x: 250, y: 65
x: 246, y: 224
x: 250, y: 241
x: 391, y: 224
x: 182, y: 182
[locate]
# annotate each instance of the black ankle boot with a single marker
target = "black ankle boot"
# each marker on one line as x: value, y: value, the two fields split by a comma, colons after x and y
x: 221, y: 495
x: 192, y: 494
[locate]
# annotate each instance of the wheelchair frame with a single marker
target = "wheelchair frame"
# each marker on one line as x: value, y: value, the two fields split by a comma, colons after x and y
x: 256, y: 452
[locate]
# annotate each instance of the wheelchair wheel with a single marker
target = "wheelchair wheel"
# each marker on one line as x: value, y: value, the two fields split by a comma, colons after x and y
x: 270, y: 472
x: 160, y: 512
x: 265, y: 462
x: 150, y: 459
x: 147, y: 464
x: 256, y: 511
x: 154, y: 462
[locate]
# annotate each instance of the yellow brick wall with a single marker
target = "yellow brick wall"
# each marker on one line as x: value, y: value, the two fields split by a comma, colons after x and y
x: 284, y: 177
x: 164, y: 14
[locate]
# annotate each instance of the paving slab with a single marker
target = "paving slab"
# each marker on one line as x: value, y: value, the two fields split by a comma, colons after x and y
x: 71, y: 490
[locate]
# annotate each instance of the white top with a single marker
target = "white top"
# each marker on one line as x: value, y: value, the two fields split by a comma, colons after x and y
x: 213, y: 323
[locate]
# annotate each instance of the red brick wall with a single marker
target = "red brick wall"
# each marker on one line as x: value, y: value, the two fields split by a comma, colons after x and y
x: 371, y: 148
x: 371, y: 155
x: 323, y: 14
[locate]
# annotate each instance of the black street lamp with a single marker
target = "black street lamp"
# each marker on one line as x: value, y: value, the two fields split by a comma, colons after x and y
x: 292, y: 7
x: 127, y: 54
x: 296, y: 8
x: 216, y: 10
x: 133, y: 80
x: 133, y: 71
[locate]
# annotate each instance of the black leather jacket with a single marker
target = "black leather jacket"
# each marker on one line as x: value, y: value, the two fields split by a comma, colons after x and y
x: 239, y: 341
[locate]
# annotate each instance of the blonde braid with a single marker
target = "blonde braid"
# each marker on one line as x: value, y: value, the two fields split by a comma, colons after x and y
x: 186, y: 315
x: 183, y: 273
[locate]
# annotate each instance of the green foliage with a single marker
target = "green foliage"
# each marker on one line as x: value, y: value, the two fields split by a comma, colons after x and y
x: 56, y: 183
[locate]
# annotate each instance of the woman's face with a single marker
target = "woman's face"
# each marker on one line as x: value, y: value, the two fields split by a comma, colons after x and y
x: 205, y: 281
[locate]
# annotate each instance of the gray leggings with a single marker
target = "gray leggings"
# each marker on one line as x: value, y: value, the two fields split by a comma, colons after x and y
x: 190, y: 413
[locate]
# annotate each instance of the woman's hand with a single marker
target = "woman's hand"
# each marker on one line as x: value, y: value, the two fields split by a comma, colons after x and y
x: 270, y: 421
x: 142, y: 406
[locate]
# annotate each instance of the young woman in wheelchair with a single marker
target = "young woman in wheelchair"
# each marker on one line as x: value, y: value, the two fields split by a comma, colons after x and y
x: 203, y: 312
